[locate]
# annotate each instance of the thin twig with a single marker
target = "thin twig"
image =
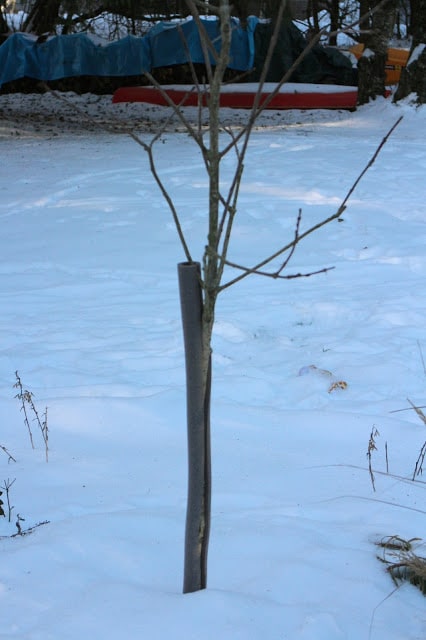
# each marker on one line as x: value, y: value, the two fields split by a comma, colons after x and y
x: 206, y: 44
x: 275, y: 275
x: 418, y: 411
x: 42, y: 425
x: 175, y: 108
x: 423, y: 406
x: 370, y: 629
x: 386, y: 457
x: 296, y: 240
x: 26, y: 532
x: 372, y: 447
x: 22, y: 396
x: 10, y: 456
x: 167, y: 197
x: 45, y: 431
x: 418, y: 469
x: 201, y: 92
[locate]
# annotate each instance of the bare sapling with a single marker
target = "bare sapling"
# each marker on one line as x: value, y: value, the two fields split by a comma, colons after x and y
x: 208, y: 278
x: 201, y: 282
x: 418, y: 469
x: 418, y: 410
x: 7, y: 452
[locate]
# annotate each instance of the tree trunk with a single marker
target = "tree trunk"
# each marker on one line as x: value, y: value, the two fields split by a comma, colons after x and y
x: 413, y: 76
x: 43, y: 17
x: 3, y: 24
x: 372, y: 64
x: 242, y: 9
x: 312, y: 11
x: 334, y: 9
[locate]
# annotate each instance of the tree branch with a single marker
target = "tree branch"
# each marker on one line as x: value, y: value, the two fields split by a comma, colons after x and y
x: 176, y: 108
x: 300, y: 236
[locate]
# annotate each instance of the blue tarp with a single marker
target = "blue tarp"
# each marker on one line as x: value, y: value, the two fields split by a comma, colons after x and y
x: 164, y: 45
x: 171, y: 44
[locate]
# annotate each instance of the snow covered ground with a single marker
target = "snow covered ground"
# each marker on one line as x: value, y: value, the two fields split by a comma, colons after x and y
x: 90, y: 319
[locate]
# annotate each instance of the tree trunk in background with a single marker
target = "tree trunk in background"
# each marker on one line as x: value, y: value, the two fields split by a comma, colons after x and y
x: 272, y: 7
x: 334, y: 10
x: 372, y: 64
x: 3, y: 24
x: 413, y: 76
x: 43, y: 17
x: 312, y: 11
x: 242, y: 9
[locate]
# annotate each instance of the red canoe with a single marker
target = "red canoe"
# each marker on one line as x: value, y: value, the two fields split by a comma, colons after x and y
x: 241, y: 96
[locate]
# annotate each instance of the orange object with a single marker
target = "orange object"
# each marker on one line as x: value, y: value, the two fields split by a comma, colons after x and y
x: 396, y: 60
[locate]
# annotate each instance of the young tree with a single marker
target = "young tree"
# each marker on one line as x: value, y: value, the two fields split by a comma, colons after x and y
x: 200, y: 284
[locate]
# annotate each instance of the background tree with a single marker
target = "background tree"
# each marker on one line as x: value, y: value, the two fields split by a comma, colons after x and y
x: 3, y: 24
x: 413, y: 76
x: 402, y: 19
x: 313, y: 10
x: 145, y: 9
x: 244, y: 8
x: 333, y: 8
x: 377, y: 25
x: 43, y: 17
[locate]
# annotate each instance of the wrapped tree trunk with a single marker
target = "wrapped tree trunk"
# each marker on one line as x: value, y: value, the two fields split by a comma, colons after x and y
x: 198, y: 391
